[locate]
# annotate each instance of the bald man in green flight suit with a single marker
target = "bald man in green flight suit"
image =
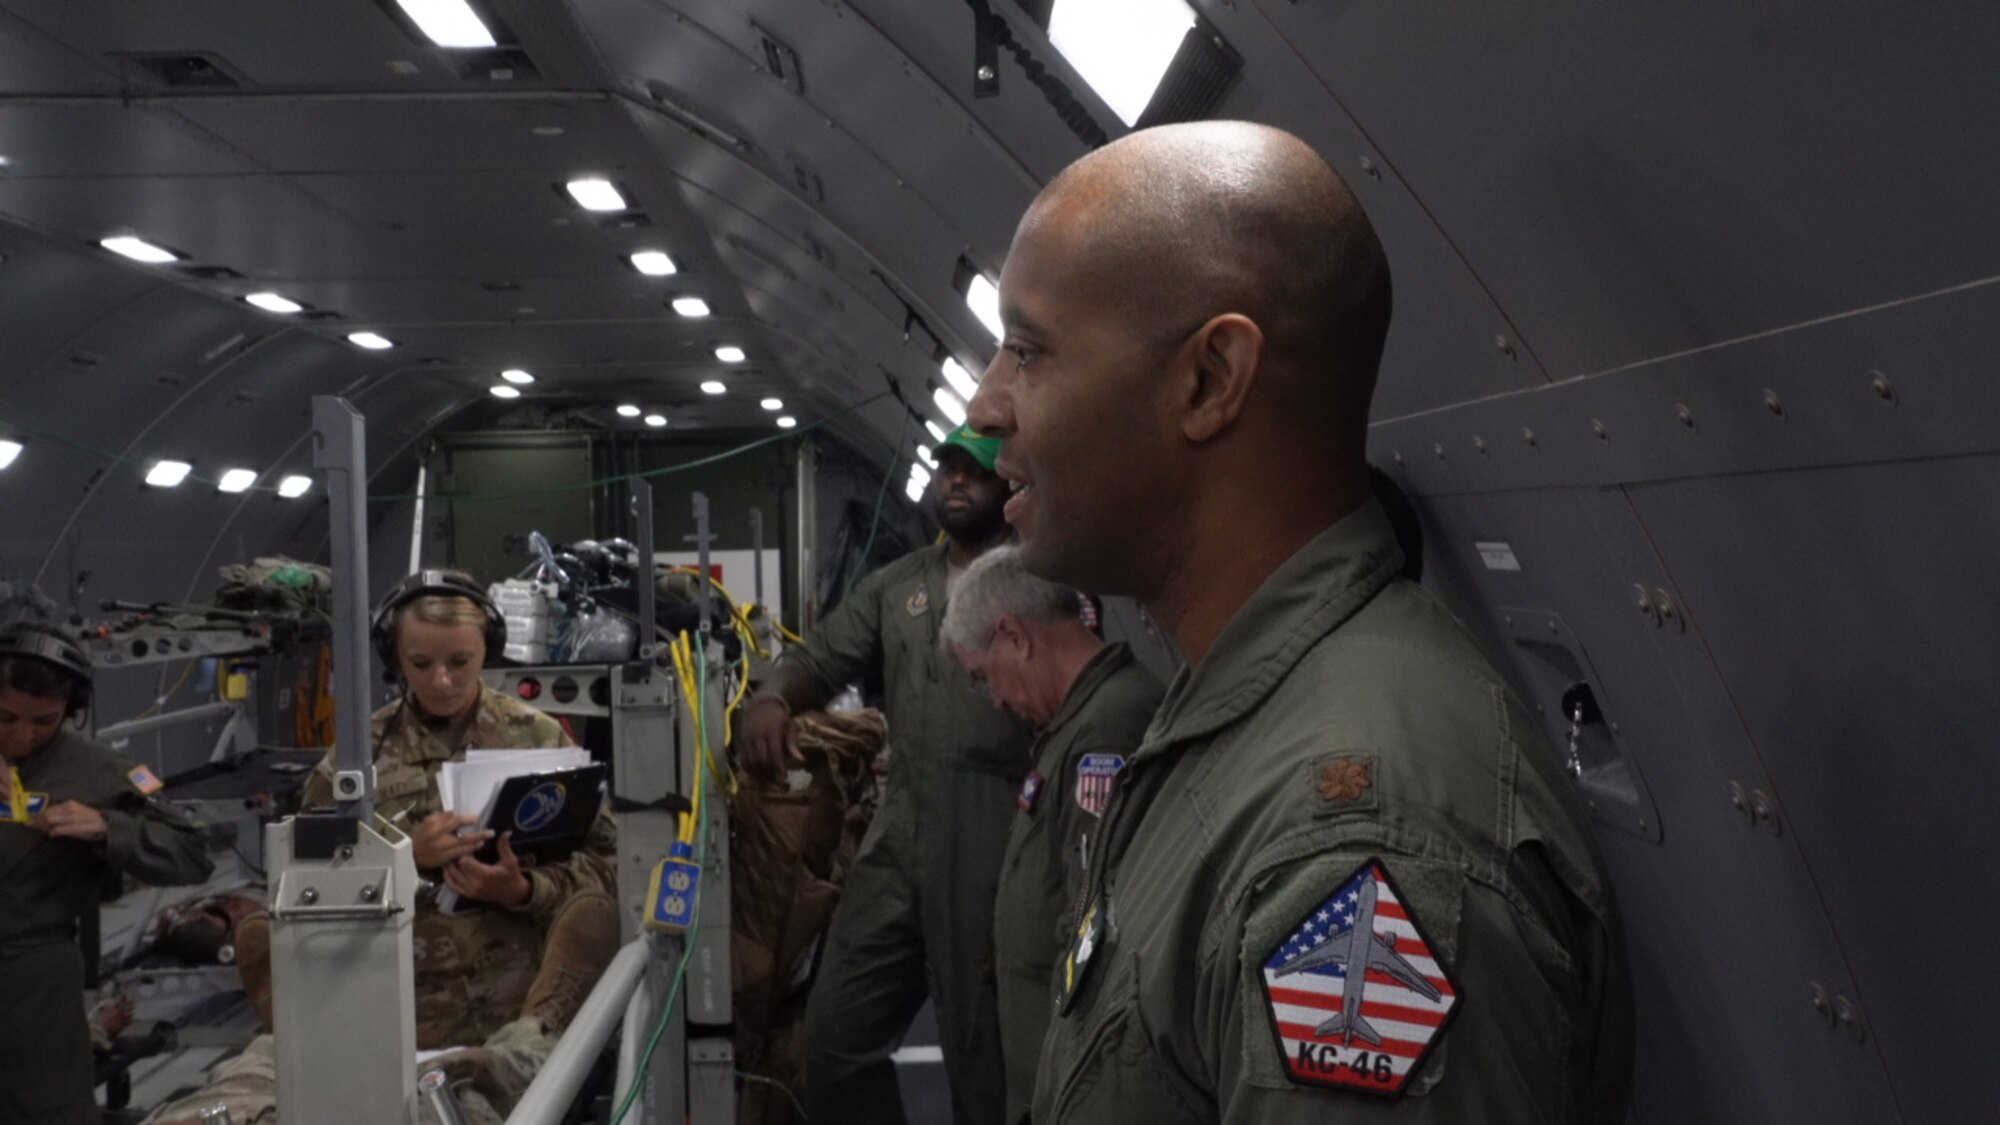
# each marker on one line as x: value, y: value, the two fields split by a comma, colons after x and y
x: 916, y: 915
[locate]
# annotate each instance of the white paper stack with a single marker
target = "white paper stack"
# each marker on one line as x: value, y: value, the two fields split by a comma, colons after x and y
x: 467, y: 787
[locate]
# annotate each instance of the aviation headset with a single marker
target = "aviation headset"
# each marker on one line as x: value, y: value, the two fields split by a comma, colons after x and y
x: 437, y: 584
x: 52, y: 646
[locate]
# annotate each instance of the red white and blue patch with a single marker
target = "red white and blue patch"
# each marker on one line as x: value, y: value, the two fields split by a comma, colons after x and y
x: 143, y: 780
x: 1364, y: 1031
x: 1096, y: 775
x: 1031, y: 787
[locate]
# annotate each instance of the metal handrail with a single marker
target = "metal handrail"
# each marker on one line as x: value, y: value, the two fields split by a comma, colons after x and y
x: 556, y: 1084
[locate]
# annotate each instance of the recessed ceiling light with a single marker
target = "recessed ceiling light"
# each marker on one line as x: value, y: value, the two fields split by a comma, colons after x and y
x: 8, y: 451
x: 548, y: 130
x: 236, y: 480
x: 654, y: 263
x: 656, y: 420
x: 291, y: 488
x: 983, y: 298
x: 370, y: 340
x: 919, y: 473
x: 271, y: 302
x: 167, y: 474
x: 517, y: 376
x: 960, y: 379
x: 690, y: 306
x: 950, y: 405
x: 449, y: 23
x: 627, y: 410
x: 773, y: 404
x: 713, y: 387
x: 729, y: 353
x: 936, y: 430
x: 924, y: 455
x: 786, y: 421
x: 138, y: 249
x: 596, y: 195
x: 1121, y: 47
x: 502, y: 390
x: 914, y: 490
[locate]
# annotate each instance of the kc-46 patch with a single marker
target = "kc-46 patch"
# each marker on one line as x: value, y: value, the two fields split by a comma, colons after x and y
x: 1356, y: 995
x: 1095, y: 776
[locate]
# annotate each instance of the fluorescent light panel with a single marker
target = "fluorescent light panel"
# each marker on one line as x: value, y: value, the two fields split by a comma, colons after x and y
x: 236, y: 480
x: 167, y: 474
x: 983, y: 298
x: 502, y: 390
x: 936, y: 430
x: 628, y: 410
x: 915, y: 491
x: 654, y: 263
x: 924, y: 454
x: 773, y: 404
x: 786, y: 421
x: 712, y: 387
x: 1121, y: 47
x: 596, y: 195
x: 271, y: 302
x: 371, y: 341
x: 517, y: 376
x: 950, y: 405
x: 291, y: 488
x: 656, y: 420
x: 9, y: 450
x: 138, y: 249
x: 690, y: 306
x: 960, y: 379
x: 729, y: 353
x: 448, y: 23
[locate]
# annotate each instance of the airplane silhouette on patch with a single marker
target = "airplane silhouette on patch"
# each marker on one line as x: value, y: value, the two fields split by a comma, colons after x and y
x: 1366, y: 1030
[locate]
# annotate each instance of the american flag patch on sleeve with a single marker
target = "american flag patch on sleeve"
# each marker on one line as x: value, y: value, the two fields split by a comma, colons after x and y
x: 1356, y: 995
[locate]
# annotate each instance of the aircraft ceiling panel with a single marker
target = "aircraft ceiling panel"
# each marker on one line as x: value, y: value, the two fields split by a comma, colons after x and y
x: 1578, y: 553
x: 32, y: 62
x: 1635, y: 183
x: 52, y: 291
x: 1871, y: 570
x: 427, y: 134
x: 287, y: 45
x: 106, y: 139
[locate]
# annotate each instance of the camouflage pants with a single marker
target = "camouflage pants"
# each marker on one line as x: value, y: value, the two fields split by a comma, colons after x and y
x: 488, y: 1079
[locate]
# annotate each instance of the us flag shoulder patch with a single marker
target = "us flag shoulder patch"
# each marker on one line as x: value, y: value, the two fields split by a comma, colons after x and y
x: 1363, y: 1030
x: 1095, y: 776
x: 143, y: 780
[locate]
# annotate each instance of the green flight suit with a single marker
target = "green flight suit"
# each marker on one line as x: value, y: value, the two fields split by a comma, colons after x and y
x: 1077, y: 758
x: 46, y: 884
x: 918, y: 904
x: 1343, y: 751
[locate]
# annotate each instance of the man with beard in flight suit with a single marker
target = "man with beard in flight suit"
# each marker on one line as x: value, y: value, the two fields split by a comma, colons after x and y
x: 73, y: 810
x: 1344, y: 879
x: 916, y: 914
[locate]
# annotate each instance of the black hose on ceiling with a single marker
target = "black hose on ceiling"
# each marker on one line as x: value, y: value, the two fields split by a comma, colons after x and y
x: 988, y: 27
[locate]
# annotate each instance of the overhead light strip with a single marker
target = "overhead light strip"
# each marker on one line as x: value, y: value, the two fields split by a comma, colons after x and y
x: 449, y: 23
x: 1121, y: 47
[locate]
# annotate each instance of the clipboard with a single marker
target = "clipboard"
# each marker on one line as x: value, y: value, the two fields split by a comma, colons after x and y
x: 549, y: 814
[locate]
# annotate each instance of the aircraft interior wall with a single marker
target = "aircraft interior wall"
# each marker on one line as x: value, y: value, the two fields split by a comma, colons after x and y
x: 1688, y: 381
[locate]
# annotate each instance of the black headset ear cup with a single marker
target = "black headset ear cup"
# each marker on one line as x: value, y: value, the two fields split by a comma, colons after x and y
x: 443, y: 583
x: 53, y: 646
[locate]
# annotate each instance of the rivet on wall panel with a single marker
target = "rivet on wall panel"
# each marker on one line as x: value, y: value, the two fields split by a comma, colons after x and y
x: 1597, y: 428
x: 1397, y: 457
x: 1528, y: 436
x: 1438, y: 447
x: 1505, y: 345
x: 1665, y: 605
x: 1685, y: 415
x: 1762, y: 809
x: 1822, y: 1003
x: 1479, y: 445
x: 1645, y: 604
x: 1849, y: 1018
x: 1368, y: 168
x: 1884, y: 390
x: 986, y: 74
x: 1772, y: 404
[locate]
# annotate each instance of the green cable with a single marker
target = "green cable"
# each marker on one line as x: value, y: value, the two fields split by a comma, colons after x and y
x: 875, y: 521
x: 700, y: 854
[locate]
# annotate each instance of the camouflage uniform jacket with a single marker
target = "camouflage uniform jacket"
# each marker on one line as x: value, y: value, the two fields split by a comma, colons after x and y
x: 474, y: 968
